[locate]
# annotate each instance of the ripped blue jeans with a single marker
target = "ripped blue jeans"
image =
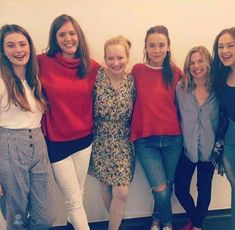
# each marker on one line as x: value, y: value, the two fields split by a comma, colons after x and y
x: 159, y: 156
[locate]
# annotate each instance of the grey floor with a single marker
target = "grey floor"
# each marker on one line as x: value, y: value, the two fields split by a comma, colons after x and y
x: 218, y: 223
x: 215, y: 221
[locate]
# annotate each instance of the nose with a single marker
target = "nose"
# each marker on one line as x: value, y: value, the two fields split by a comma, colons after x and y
x: 18, y: 48
x: 225, y: 49
x: 115, y: 62
x: 67, y: 37
x: 196, y: 64
x: 157, y: 49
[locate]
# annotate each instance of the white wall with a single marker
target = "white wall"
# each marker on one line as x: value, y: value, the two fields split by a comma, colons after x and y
x: 190, y: 23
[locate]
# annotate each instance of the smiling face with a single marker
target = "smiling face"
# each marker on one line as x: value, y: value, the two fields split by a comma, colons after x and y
x: 226, y: 50
x: 17, y: 50
x: 67, y: 40
x: 156, y: 48
x: 116, y: 59
x: 198, y: 66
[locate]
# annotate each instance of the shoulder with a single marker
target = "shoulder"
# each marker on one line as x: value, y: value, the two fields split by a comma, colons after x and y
x: 179, y: 88
x: 101, y: 72
x: 131, y: 77
x: 178, y: 73
x: 43, y: 59
x: 100, y: 75
x: 179, y: 84
x: 176, y: 69
x: 93, y: 69
x: 94, y: 65
x: 42, y: 56
x: 137, y: 67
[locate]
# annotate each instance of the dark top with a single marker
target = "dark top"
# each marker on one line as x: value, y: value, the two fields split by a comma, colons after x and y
x: 60, y: 150
x: 227, y: 101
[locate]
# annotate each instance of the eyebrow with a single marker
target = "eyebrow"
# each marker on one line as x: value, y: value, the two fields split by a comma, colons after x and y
x: 232, y: 42
x: 15, y: 42
x: 66, y: 31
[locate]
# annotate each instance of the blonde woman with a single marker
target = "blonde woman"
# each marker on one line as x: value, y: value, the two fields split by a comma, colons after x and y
x: 112, y: 159
x: 198, y: 109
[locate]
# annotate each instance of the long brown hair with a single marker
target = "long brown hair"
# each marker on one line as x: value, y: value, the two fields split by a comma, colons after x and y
x: 82, y: 51
x: 15, y: 89
x: 168, y: 62
x: 220, y: 72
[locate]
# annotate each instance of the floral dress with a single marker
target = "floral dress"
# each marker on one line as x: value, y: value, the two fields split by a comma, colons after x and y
x: 112, y: 158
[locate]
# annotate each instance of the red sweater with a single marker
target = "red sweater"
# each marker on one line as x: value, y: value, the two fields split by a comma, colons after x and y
x: 155, y: 111
x: 70, y: 98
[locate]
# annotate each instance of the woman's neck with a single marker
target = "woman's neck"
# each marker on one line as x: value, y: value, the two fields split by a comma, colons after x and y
x: 20, y: 72
x: 153, y: 67
x: 115, y: 79
x: 200, y: 83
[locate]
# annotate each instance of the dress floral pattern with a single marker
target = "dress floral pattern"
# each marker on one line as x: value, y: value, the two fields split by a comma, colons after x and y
x: 112, y: 158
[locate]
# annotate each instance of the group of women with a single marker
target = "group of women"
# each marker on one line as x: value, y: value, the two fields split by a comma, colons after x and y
x: 94, y: 118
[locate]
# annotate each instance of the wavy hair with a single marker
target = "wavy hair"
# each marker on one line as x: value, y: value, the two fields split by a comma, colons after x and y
x: 187, y: 81
x: 15, y: 89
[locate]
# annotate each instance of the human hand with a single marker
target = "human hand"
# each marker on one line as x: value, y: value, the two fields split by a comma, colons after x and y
x: 1, y: 191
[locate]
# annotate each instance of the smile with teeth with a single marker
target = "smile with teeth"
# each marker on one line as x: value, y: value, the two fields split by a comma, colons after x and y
x: 19, y: 57
x: 116, y: 67
x: 226, y: 57
x: 197, y: 71
x: 69, y: 45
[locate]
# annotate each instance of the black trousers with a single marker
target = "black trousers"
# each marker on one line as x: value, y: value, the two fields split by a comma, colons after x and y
x: 184, y: 172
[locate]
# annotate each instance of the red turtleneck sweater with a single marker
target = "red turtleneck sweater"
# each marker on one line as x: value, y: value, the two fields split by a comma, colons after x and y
x: 70, y: 98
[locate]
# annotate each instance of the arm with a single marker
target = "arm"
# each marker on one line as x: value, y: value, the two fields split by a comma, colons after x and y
x: 1, y: 191
x: 223, y: 124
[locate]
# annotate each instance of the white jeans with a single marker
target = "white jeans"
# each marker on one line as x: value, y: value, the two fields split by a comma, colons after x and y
x: 70, y: 175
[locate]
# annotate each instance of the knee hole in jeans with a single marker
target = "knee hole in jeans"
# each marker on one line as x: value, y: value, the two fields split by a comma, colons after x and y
x: 161, y: 187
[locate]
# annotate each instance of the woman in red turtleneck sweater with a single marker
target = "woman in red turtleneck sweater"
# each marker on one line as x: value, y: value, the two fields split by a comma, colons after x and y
x: 68, y: 75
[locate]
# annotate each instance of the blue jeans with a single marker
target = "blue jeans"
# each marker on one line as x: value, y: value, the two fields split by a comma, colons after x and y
x: 229, y: 163
x: 158, y: 156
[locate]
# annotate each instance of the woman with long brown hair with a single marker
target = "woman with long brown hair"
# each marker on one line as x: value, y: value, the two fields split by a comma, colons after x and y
x: 24, y: 164
x: 224, y: 71
x: 155, y: 127
x: 68, y: 75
